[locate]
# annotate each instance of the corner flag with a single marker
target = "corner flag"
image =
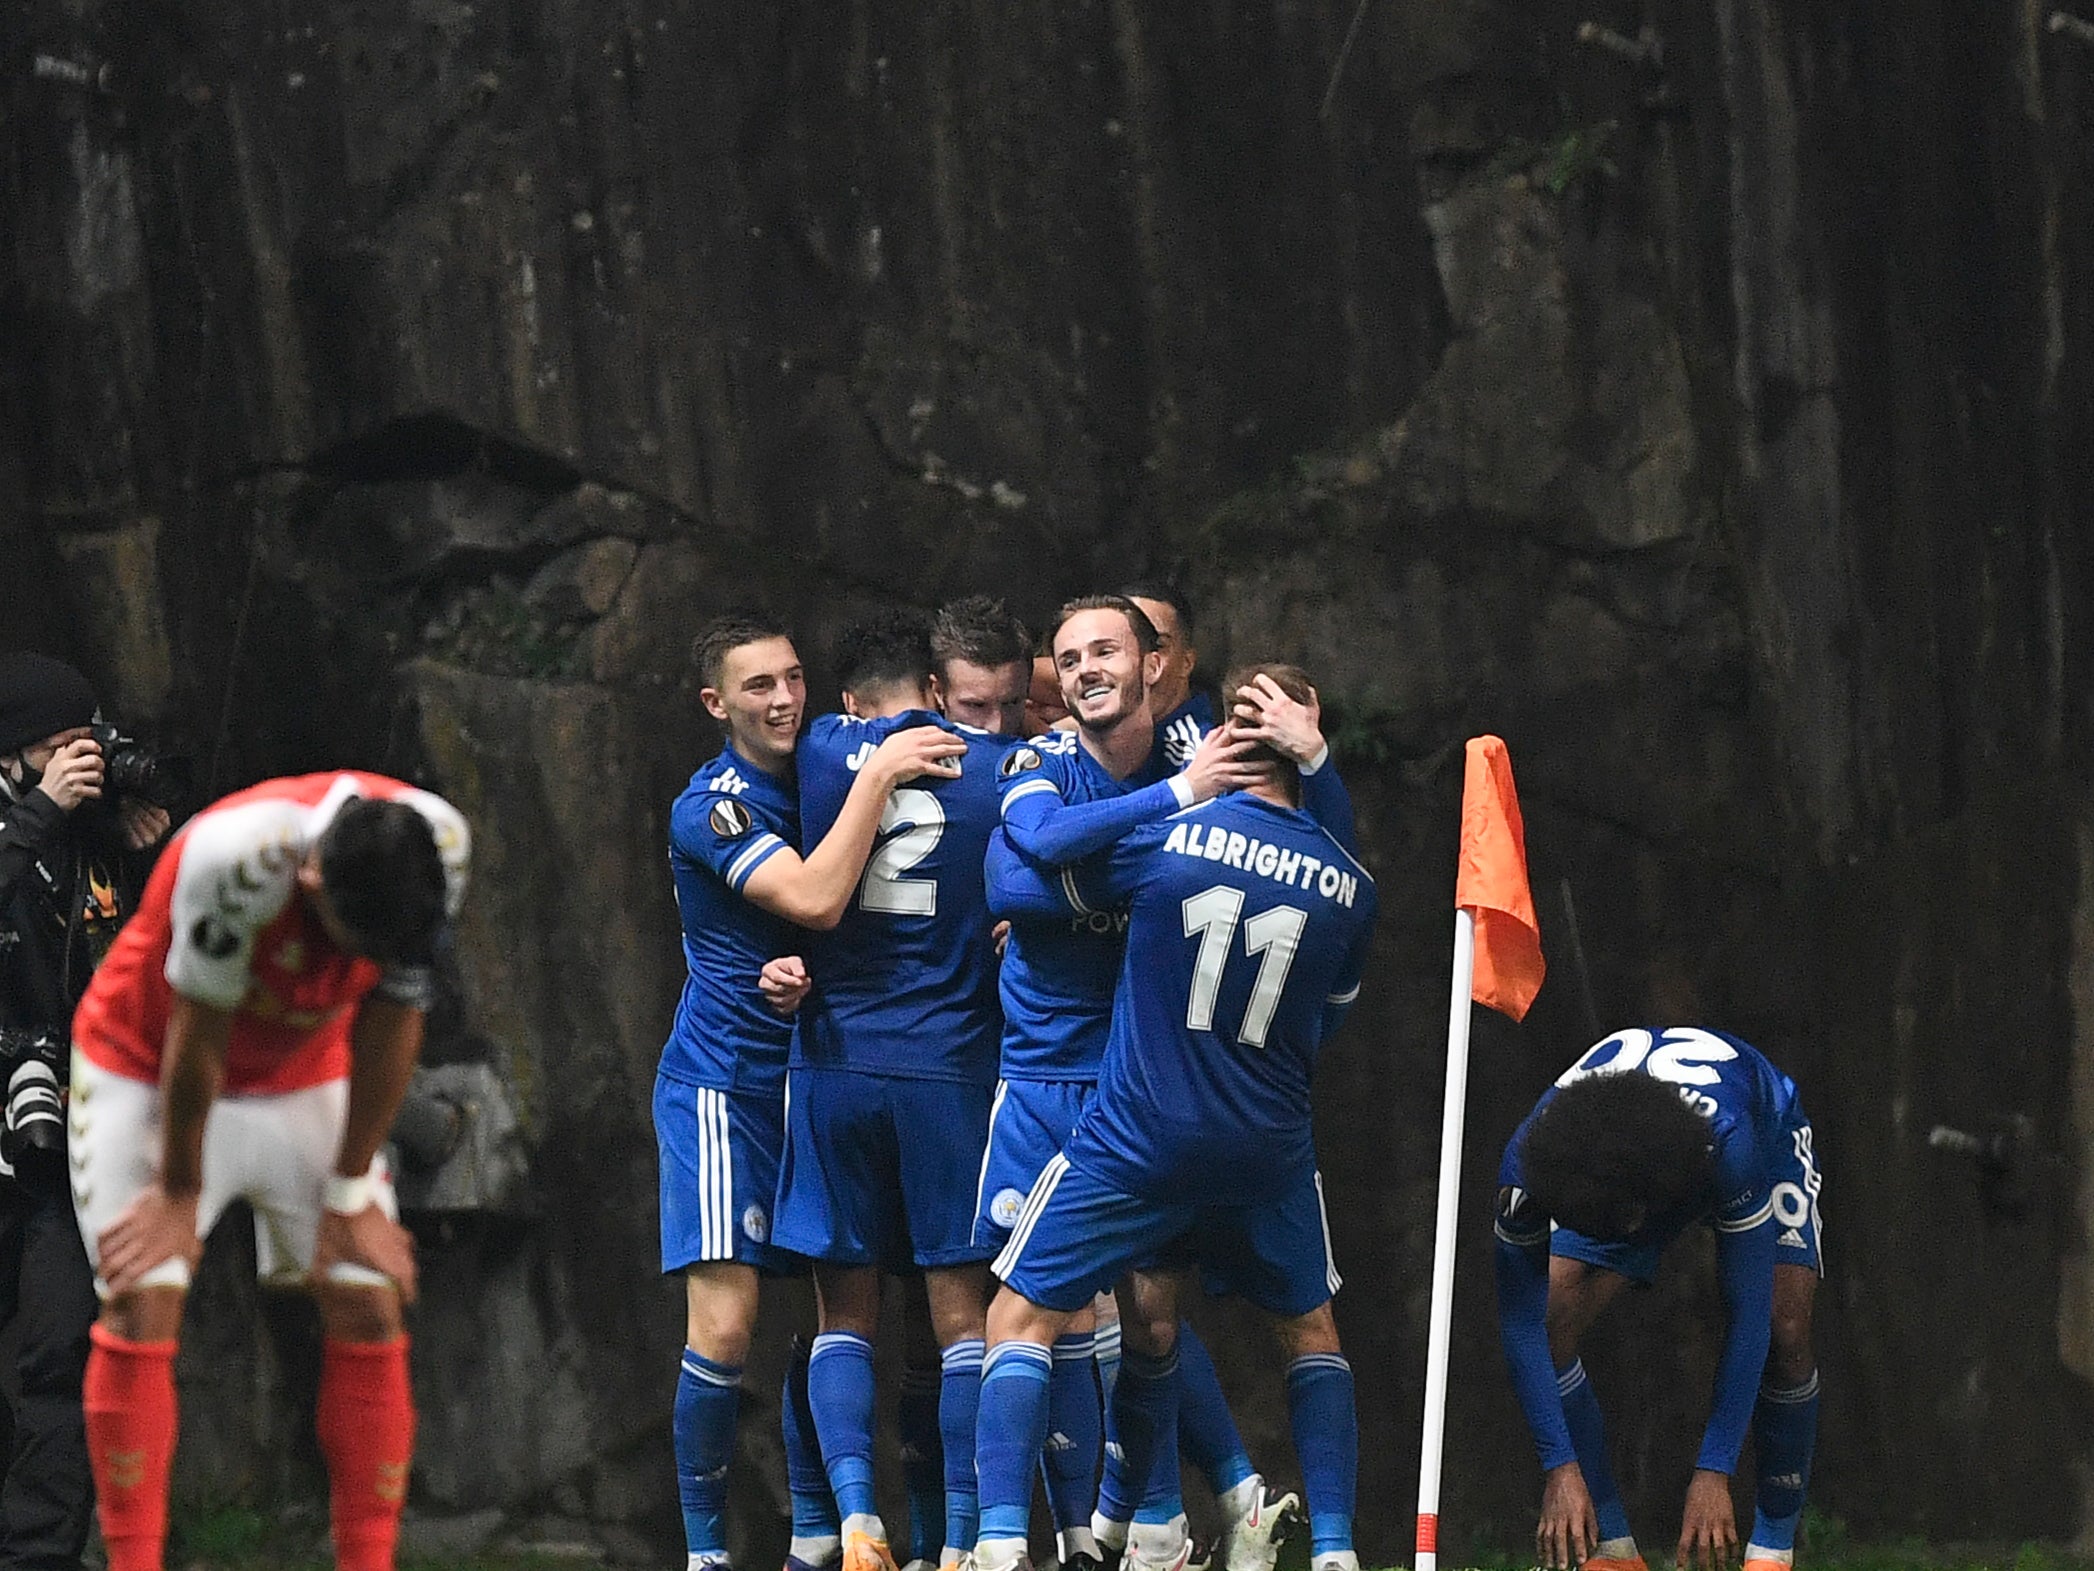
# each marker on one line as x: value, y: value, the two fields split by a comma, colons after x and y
x: 1497, y: 962
x: 1492, y: 882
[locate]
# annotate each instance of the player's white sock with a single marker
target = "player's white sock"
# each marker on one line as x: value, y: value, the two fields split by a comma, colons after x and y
x: 866, y: 1522
x: 1157, y: 1541
x: 1781, y: 1557
x: 1074, y: 1541
x: 1111, y: 1535
x: 998, y: 1554
x: 815, y: 1551
x: 1239, y: 1498
x: 1616, y: 1549
x: 1336, y: 1560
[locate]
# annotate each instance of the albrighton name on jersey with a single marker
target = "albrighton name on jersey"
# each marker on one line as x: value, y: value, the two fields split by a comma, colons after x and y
x: 905, y: 984
x: 730, y: 820
x: 1248, y: 927
x: 224, y: 923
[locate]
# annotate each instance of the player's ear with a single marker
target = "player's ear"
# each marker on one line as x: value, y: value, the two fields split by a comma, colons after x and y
x: 850, y: 705
x: 714, y: 704
x: 1152, y: 668
x: 936, y: 689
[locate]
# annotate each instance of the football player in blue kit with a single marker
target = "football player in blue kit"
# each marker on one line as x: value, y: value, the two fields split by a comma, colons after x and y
x: 1648, y: 1133
x: 892, y: 1068
x: 1065, y: 796
x: 719, y: 1096
x: 1182, y: 714
x: 1057, y: 983
x: 1247, y: 927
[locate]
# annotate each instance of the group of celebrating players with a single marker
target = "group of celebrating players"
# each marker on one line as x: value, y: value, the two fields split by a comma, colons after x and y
x: 1017, y: 968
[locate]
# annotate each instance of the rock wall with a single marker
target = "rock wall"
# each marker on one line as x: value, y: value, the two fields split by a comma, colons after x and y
x: 402, y: 384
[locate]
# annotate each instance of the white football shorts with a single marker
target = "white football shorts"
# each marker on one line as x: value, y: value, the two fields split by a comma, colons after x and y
x: 272, y: 1151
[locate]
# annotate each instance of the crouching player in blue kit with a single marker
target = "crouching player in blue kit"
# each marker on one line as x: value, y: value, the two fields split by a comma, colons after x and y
x: 719, y: 1100
x: 1247, y: 928
x: 892, y: 1066
x: 1647, y: 1133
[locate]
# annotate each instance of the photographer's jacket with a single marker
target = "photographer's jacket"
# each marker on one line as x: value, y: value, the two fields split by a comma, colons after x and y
x: 224, y: 923
x: 64, y: 890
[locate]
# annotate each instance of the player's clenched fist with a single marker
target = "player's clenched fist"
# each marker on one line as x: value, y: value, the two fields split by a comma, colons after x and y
x: 784, y: 983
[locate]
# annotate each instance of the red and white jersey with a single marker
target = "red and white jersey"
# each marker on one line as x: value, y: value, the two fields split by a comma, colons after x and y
x: 224, y: 923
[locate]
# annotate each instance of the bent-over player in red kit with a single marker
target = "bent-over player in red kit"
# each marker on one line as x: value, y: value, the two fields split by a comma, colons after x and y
x: 249, y: 1037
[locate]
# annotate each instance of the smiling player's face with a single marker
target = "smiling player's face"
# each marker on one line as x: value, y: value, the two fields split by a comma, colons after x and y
x: 1104, y: 674
x: 760, y: 699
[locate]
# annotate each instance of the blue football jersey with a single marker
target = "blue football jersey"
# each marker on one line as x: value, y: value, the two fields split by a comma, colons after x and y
x: 1750, y: 1106
x: 1246, y: 920
x: 1178, y: 733
x: 729, y: 821
x: 906, y: 983
x: 1059, y: 973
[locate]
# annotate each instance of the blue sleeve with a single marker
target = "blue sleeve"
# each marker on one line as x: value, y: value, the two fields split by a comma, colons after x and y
x: 1020, y: 888
x: 721, y: 835
x: 1325, y: 799
x: 1047, y: 829
x: 1347, y: 991
x: 1745, y: 1265
x: 1109, y: 879
x: 1523, y: 1303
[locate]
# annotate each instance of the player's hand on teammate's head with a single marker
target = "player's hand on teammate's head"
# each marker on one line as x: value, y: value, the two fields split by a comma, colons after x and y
x: 1708, y: 1528
x: 1569, y: 1529
x: 370, y: 1239
x: 916, y: 752
x: 784, y: 983
x: 1000, y: 934
x: 153, y: 1229
x: 1223, y: 762
x: 1262, y: 710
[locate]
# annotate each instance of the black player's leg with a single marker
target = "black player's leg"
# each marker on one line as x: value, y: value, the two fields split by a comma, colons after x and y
x: 1790, y: 1354
x: 1785, y: 1419
x: 1578, y: 1292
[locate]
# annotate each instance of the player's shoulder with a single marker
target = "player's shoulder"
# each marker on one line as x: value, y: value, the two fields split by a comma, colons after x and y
x: 241, y: 857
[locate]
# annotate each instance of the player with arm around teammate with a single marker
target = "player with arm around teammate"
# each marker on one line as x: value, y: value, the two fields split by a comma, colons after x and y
x: 250, y: 1036
x: 1247, y: 927
x: 719, y: 1099
x: 1649, y: 1132
x: 893, y: 1061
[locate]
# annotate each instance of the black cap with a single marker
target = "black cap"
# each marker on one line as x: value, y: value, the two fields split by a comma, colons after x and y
x: 40, y: 697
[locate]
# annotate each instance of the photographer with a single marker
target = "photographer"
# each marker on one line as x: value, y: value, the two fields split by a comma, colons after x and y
x: 66, y: 858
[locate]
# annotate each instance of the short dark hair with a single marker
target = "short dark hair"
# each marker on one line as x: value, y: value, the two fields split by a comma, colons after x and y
x: 1289, y: 679
x: 979, y: 630
x: 728, y: 632
x: 1613, y: 1151
x: 385, y: 880
x: 1137, y: 618
x: 1170, y: 594
x: 890, y: 648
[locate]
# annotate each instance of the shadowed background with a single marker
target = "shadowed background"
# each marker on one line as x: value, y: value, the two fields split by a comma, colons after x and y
x: 400, y: 383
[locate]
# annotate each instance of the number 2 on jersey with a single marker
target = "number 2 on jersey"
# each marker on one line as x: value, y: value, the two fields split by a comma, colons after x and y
x: 884, y: 888
x: 1275, y: 934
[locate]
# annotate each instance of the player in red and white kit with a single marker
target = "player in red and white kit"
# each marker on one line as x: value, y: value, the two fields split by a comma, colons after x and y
x: 250, y: 1036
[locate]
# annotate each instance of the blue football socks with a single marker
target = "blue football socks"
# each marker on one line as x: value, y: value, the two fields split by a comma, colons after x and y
x: 1012, y: 1428
x: 708, y: 1395
x: 1581, y: 1412
x: 1784, y: 1434
x: 959, y: 1400
x: 1327, y: 1440
x: 923, y: 1462
x: 815, y: 1526
x: 1075, y: 1433
x: 840, y: 1391
x: 1145, y: 1408
x: 1206, y: 1430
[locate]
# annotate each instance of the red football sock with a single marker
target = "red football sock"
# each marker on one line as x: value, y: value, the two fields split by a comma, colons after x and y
x: 129, y: 1398
x: 366, y: 1427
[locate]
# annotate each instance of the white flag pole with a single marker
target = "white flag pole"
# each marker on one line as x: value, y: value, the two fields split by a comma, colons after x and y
x: 1440, y: 1340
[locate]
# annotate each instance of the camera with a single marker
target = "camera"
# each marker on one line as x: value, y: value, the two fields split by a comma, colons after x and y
x: 32, y: 1123
x: 130, y: 768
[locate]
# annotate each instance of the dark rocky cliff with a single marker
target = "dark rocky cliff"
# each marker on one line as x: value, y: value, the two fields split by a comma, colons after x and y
x: 400, y: 381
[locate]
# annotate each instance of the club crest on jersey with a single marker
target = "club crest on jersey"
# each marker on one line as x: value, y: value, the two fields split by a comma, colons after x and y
x: 1004, y: 1209
x: 729, y: 819
x: 1017, y: 761
x: 756, y: 1224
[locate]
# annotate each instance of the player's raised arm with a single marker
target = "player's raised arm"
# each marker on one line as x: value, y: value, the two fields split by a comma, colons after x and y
x: 1263, y: 711
x: 1054, y: 832
x: 812, y: 891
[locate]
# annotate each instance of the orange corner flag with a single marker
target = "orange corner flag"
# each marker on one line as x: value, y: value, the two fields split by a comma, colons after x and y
x: 1492, y: 882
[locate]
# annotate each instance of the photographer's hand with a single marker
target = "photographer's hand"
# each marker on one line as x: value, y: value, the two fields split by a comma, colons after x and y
x: 74, y: 774
x: 143, y: 824
x: 151, y: 1230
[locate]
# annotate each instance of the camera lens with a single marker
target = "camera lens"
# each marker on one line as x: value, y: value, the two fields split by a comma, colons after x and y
x: 35, y: 1114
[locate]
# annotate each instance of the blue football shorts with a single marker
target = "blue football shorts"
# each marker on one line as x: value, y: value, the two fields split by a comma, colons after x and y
x: 1029, y: 1122
x: 881, y: 1170
x: 719, y: 1174
x: 1076, y: 1236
